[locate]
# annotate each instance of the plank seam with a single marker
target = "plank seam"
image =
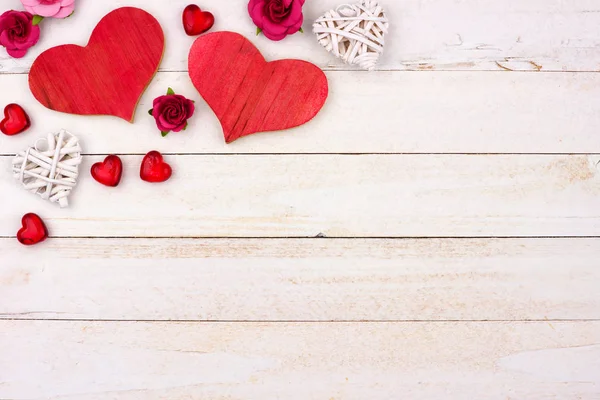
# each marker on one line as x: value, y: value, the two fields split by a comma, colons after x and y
x: 318, y: 237
x: 331, y: 154
x: 405, y: 70
x: 291, y: 321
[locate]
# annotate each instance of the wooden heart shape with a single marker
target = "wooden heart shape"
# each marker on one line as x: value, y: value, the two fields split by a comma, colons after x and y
x: 249, y: 94
x: 109, y: 75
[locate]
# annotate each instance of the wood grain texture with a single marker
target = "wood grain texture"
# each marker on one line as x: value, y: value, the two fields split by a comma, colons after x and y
x: 301, y: 280
x: 425, y: 35
x: 336, y: 195
x: 106, y: 77
x: 250, y: 95
x: 256, y: 361
x: 396, y: 112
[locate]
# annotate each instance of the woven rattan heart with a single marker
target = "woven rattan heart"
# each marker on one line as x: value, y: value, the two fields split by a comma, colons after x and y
x: 354, y: 33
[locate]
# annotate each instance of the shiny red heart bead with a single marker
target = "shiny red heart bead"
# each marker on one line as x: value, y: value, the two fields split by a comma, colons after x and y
x: 196, y: 21
x: 154, y: 169
x: 33, y: 230
x: 109, y: 171
x: 15, y: 120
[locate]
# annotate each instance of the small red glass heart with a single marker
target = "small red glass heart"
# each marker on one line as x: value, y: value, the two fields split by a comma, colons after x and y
x: 196, y: 21
x: 15, y: 120
x: 154, y: 169
x: 109, y: 171
x: 33, y: 231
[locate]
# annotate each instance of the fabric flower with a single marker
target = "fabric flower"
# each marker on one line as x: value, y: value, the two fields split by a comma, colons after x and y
x: 172, y: 112
x: 17, y: 32
x: 277, y: 18
x: 50, y: 8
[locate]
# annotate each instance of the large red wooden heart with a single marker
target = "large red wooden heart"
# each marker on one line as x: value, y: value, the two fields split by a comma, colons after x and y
x: 250, y: 95
x: 109, y: 75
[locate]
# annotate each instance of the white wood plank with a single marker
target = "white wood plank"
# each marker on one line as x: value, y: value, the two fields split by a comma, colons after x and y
x: 338, y: 196
x: 531, y: 35
x: 301, y: 280
x: 450, y: 112
x: 257, y: 361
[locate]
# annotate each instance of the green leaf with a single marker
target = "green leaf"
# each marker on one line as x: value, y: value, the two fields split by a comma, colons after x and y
x: 258, y: 31
x: 301, y: 30
x: 70, y: 14
x: 170, y: 92
x: 150, y: 111
x: 185, y: 127
x: 37, y: 19
x: 164, y: 134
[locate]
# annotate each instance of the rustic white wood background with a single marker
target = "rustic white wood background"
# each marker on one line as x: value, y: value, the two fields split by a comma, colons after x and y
x: 433, y: 234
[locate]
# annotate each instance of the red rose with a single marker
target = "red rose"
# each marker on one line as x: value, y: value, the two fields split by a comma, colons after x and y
x: 172, y: 112
x: 17, y: 32
x: 277, y: 18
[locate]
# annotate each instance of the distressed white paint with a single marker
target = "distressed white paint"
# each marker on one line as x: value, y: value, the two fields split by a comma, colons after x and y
x: 298, y: 361
x: 513, y: 280
x: 407, y: 112
x: 300, y: 280
x: 334, y: 195
x: 529, y: 35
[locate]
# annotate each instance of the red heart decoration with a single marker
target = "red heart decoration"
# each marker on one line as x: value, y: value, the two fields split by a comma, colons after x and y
x: 196, y: 21
x: 154, y: 169
x: 15, y: 120
x: 247, y: 93
x: 33, y: 231
x: 109, y: 75
x: 109, y: 171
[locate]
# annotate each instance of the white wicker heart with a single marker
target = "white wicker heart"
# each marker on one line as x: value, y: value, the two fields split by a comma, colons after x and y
x: 354, y: 33
x: 50, y: 168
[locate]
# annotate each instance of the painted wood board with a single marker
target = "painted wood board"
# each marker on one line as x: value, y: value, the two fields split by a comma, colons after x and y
x: 301, y: 279
x: 255, y: 361
x: 528, y: 35
x: 330, y: 195
x: 397, y: 112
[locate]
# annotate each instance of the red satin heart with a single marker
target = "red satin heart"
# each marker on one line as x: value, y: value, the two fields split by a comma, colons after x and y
x: 250, y: 95
x: 109, y: 75
x: 33, y: 231
x: 15, y: 120
x: 196, y: 21
x: 154, y: 169
x: 109, y: 171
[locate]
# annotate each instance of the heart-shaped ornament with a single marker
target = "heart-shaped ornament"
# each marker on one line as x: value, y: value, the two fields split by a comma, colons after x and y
x: 109, y: 75
x: 109, y: 171
x: 196, y: 21
x: 249, y: 94
x: 50, y: 168
x: 354, y: 33
x: 15, y: 120
x: 154, y: 169
x: 33, y: 230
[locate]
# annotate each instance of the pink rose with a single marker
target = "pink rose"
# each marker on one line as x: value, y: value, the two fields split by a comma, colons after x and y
x: 17, y: 32
x: 172, y: 112
x: 50, y: 8
x: 277, y: 18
